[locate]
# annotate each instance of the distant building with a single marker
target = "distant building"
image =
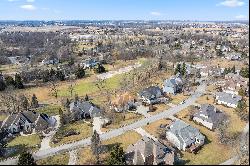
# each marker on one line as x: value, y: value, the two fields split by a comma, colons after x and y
x: 149, y: 152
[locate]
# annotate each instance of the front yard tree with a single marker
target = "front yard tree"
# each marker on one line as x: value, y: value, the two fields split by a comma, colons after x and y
x: 2, y: 85
x: 183, y: 70
x: 116, y: 156
x: 80, y: 72
x: 100, y: 69
x: 95, y: 145
x: 26, y: 158
x: 24, y: 103
x: 3, y: 142
x: 178, y: 69
x: 18, y: 82
x: 34, y: 102
x: 9, y: 81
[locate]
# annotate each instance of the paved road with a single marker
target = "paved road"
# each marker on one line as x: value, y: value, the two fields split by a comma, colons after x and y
x: 116, y: 132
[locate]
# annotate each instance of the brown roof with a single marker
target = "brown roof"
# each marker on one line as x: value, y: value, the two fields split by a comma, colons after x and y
x: 122, y: 99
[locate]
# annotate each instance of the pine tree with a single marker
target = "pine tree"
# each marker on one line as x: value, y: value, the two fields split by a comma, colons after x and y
x: 116, y: 156
x: 95, y: 145
x: 26, y: 158
x: 80, y: 72
x: 34, y: 102
x: 2, y: 85
x: 178, y: 69
x: 184, y: 69
x: 18, y: 82
x: 24, y: 103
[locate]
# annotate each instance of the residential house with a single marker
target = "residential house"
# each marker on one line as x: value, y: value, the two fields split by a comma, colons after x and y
x: 146, y: 151
x: 50, y: 61
x: 84, y: 110
x: 151, y: 95
x: 123, y: 102
x: 233, y: 56
x: 184, y: 137
x: 90, y: 63
x: 227, y: 99
x: 173, y: 85
x: 237, y: 79
x: 209, y: 116
x: 28, y: 122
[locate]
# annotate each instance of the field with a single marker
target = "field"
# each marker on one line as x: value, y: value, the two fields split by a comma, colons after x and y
x: 83, y: 128
x: 60, y: 159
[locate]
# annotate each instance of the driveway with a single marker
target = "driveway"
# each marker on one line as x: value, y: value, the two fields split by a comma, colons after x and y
x: 116, y: 132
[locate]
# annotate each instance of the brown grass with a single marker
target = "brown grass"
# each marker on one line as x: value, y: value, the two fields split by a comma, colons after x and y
x: 152, y: 127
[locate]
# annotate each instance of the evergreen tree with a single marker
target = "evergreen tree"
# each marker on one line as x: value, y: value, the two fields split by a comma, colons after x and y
x: 80, y: 72
x: 184, y: 69
x: 9, y: 81
x: 67, y: 103
x: 26, y: 158
x: 95, y: 145
x: 60, y: 75
x: 34, y: 102
x: 24, y: 103
x: 100, y: 69
x: 18, y: 82
x: 116, y: 156
x: 86, y: 98
x: 233, y: 70
x: 2, y: 85
x: 178, y: 69
x: 3, y: 142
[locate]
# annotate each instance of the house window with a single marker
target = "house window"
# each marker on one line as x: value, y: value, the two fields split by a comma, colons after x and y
x: 197, y: 140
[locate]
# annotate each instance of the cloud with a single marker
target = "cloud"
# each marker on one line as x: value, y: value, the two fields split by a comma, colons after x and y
x: 231, y: 3
x: 155, y: 13
x: 30, y: 0
x: 241, y: 17
x: 13, y: 0
x: 28, y: 7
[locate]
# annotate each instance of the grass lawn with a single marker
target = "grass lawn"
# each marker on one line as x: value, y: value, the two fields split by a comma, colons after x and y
x: 50, y: 110
x: 176, y: 99
x: 32, y: 142
x: 205, y: 99
x: 152, y: 127
x: 129, y: 118
x: 160, y: 108
x: 83, y: 128
x: 85, y: 156
x: 211, y: 153
x: 3, y: 117
x: 60, y: 159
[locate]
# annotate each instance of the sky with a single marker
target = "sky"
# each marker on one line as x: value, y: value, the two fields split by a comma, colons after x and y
x: 202, y: 10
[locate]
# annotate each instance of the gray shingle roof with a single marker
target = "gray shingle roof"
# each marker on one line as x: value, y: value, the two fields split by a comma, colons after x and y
x: 151, y: 92
x: 228, y: 98
x: 213, y: 115
x: 185, y: 132
x: 85, y: 107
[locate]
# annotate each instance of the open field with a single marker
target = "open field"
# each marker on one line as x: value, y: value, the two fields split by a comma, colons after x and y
x: 83, y: 128
x: 60, y: 159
